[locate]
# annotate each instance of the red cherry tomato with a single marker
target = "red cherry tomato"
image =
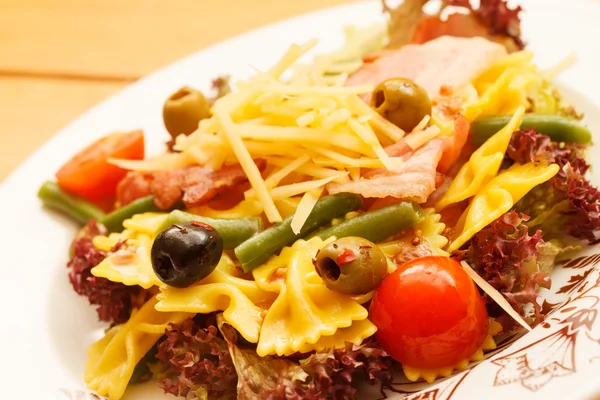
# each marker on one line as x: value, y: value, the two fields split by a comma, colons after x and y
x: 89, y: 175
x: 429, y: 313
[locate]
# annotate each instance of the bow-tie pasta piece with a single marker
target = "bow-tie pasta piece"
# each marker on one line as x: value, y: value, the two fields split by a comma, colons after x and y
x: 304, y: 312
x: 430, y: 240
x: 242, y: 301
x: 499, y: 196
x: 112, y: 359
x: 505, y: 86
x: 128, y: 261
x: 483, y: 165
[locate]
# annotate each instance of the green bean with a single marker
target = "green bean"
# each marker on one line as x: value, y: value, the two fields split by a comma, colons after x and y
x: 256, y: 250
x: 78, y: 209
x: 377, y: 225
x: 559, y: 128
x: 232, y: 231
x: 141, y: 372
x: 114, y: 221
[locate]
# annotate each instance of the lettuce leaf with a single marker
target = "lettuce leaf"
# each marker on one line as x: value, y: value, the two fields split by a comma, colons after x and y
x: 331, y: 374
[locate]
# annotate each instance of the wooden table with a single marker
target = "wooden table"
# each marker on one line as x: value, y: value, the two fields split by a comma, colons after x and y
x: 60, y: 57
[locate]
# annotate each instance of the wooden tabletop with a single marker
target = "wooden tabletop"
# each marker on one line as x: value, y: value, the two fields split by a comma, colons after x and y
x: 60, y: 57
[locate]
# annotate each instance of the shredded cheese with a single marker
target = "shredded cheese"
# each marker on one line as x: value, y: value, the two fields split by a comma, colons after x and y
x: 165, y: 161
x: 417, y: 139
x: 423, y: 123
x: 495, y: 295
x: 295, y: 189
x: 246, y: 162
x: 276, y: 177
x: 304, y: 209
x: 309, y: 90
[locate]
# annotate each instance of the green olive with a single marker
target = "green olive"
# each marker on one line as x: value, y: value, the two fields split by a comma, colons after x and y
x: 351, y: 265
x: 402, y: 102
x: 183, y: 110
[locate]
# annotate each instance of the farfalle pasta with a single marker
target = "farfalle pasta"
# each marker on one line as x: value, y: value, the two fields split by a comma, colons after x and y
x: 305, y: 312
x: 242, y: 301
x: 130, y: 263
x: 112, y: 359
x: 499, y: 196
x: 482, y: 166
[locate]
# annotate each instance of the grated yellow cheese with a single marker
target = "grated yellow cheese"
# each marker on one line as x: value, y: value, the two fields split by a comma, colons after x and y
x: 278, y: 134
x: 304, y: 209
x: 379, y: 123
x: 295, y: 189
x: 417, y: 139
x: 276, y: 177
x: 165, y: 161
x: 246, y: 161
x: 369, y: 137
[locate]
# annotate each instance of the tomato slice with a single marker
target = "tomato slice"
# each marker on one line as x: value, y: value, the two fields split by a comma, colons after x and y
x: 89, y: 175
x: 429, y: 313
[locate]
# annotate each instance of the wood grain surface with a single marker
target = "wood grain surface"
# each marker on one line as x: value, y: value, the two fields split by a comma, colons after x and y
x: 60, y: 57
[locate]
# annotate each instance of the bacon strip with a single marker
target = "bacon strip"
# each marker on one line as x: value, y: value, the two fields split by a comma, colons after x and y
x: 415, y: 179
x: 195, y: 186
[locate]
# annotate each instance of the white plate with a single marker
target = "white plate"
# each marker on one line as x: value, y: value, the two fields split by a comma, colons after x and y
x: 46, y: 327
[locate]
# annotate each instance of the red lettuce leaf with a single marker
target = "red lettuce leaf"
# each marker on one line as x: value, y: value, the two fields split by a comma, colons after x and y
x: 496, y: 16
x: 568, y: 203
x: 324, y: 375
x: 193, y: 360
x: 492, y: 19
x: 505, y: 254
x: 527, y: 145
x: 114, y: 300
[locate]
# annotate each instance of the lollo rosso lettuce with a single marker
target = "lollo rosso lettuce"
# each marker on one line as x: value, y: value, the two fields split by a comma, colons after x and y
x: 514, y: 261
x: 516, y: 252
x: 204, y: 358
x: 114, y: 300
x: 566, y: 204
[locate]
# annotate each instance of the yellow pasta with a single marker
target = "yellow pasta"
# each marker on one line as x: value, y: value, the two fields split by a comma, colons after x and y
x: 242, y: 301
x: 499, y: 196
x: 130, y: 264
x: 305, y: 311
x: 482, y: 166
x: 112, y: 359
x: 429, y: 231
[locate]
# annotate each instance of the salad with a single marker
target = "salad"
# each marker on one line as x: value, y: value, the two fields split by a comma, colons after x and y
x: 390, y: 207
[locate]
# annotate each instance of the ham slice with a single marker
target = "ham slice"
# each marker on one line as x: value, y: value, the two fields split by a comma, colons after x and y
x: 414, y: 180
x: 443, y: 62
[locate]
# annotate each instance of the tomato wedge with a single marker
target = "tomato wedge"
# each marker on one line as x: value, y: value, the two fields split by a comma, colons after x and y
x: 429, y: 314
x: 89, y: 175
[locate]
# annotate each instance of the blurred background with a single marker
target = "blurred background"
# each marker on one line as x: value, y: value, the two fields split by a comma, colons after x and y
x: 58, y: 58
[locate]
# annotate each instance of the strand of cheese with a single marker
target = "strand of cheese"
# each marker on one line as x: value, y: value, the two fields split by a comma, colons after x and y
x: 276, y: 177
x: 304, y: 209
x: 294, y: 189
x: 245, y: 159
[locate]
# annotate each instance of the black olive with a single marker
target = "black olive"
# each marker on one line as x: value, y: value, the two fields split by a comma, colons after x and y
x: 184, y: 254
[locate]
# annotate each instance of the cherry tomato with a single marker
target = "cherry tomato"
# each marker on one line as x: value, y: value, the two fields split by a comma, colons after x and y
x: 429, y: 313
x: 89, y: 175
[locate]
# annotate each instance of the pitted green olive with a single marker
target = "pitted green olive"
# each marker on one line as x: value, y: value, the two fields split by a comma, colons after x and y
x: 183, y: 110
x: 402, y: 102
x: 351, y: 265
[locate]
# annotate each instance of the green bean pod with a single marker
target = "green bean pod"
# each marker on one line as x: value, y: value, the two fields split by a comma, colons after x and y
x: 142, y: 372
x: 114, y: 220
x: 377, y: 225
x: 258, y: 249
x: 557, y: 127
x: 78, y: 209
x: 232, y: 231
